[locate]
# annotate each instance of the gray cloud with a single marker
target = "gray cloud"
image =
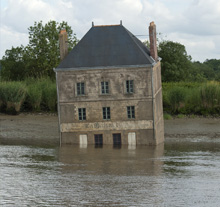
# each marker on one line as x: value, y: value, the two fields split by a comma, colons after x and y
x: 194, y: 23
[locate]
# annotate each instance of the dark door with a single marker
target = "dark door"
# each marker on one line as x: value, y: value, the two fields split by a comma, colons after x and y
x: 98, y: 139
x: 116, y: 139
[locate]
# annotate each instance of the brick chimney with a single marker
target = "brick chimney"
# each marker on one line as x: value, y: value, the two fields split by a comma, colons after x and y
x: 63, y: 40
x: 153, y: 41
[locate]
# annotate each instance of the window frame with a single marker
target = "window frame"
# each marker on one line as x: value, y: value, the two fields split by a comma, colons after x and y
x: 80, y: 88
x: 129, y: 84
x: 104, y: 87
x: 131, y: 112
x: 82, y: 114
x: 106, y: 113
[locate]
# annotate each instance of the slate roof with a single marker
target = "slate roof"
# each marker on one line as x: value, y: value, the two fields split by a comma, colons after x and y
x: 104, y: 46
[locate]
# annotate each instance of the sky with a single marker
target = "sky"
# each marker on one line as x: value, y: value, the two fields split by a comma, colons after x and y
x: 193, y: 23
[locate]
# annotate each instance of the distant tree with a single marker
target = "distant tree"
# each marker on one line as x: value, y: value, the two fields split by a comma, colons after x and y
x: 204, y: 69
x: 13, y: 66
x: 40, y: 56
x: 43, y: 47
x: 215, y: 65
x: 175, y: 64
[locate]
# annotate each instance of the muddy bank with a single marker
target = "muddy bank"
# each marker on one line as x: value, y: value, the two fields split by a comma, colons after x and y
x: 42, y: 129
x: 192, y: 128
x: 27, y: 129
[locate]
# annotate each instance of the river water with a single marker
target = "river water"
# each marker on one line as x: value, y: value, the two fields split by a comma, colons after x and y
x: 183, y: 172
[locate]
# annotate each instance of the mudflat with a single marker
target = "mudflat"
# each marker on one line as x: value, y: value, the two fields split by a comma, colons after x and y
x: 43, y: 128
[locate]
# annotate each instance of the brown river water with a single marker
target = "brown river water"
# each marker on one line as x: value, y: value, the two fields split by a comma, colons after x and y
x: 34, y: 171
x: 179, y: 173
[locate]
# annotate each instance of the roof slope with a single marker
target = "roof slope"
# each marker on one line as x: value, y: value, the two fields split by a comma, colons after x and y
x: 104, y: 46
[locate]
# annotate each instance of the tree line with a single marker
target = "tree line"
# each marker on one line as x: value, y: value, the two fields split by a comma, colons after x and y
x: 41, y: 55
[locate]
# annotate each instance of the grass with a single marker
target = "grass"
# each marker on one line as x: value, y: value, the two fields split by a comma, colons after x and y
x: 12, y: 96
x: 192, y: 98
x: 34, y: 96
x: 167, y: 116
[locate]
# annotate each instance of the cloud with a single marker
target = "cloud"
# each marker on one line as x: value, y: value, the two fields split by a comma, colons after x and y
x: 194, y: 23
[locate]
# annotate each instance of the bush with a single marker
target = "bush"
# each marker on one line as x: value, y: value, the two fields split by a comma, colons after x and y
x: 50, y: 96
x: 210, y: 95
x: 43, y: 94
x: 176, y: 97
x: 12, y: 96
x: 167, y: 116
x: 34, y: 96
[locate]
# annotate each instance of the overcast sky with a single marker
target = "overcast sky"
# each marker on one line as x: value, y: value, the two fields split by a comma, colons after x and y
x: 193, y: 23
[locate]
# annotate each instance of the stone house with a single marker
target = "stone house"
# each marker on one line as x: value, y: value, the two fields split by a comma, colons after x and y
x: 109, y: 89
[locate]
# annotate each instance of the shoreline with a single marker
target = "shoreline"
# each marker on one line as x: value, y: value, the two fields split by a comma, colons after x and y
x: 42, y: 128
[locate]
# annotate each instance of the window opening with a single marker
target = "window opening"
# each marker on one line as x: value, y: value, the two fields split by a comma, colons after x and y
x: 130, y: 86
x: 82, y: 114
x: 80, y: 88
x: 131, y: 112
x: 106, y: 113
x: 105, y: 88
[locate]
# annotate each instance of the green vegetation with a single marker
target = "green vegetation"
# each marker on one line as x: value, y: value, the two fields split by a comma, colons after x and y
x: 40, y: 56
x: 189, y: 88
x: 167, y: 116
x: 177, y: 65
x: 34, y: 95
x: 12, y: 96
x: 30, y: 95
x: 192, y: 98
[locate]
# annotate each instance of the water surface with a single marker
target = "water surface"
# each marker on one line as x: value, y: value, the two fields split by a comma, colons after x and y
x: 179, y: 173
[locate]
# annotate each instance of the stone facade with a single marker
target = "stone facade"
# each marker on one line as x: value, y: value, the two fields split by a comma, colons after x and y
x: 132, y: 117
x: 147, y: 101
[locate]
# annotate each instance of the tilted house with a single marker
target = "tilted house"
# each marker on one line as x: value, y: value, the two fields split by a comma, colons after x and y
x: 109, y: 89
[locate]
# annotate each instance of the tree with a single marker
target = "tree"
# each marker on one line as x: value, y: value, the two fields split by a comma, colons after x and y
x: 13, y: 66
x: 215, y: 65
x: 175, y: 64
x: 43, y: 47
x: 40, y: 56
x: 206, y: 70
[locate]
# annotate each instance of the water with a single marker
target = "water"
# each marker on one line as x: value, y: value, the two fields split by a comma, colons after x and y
x: 180, y: 173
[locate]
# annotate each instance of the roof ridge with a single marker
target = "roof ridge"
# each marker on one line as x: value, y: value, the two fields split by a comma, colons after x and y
x: 133, y: 37
x: 111, y: 25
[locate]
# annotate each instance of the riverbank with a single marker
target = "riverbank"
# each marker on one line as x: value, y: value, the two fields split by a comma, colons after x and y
x: 42, y: 128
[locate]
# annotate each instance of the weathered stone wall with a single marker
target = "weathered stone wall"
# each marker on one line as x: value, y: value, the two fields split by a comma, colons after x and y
x: 143, y: 136
x: 117, y: 99
x: 92, y: 79
x: 158, y: 105
x: 69, y: 112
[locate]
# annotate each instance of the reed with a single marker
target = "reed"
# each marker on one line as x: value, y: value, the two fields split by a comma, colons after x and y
x: 50, y: 96
x: 176, y: 97
x: 210, y: 95
x: 12, y: 96
x: 34, y: 96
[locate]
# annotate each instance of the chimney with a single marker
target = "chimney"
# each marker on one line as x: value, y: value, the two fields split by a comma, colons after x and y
x: 153, y: 41
x: 63, y: 40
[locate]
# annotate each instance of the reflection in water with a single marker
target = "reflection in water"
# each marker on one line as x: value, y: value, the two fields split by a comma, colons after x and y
x: 112, y: 160
x: 181, y: 173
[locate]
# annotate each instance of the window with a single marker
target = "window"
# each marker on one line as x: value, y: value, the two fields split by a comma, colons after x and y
x: 82, y: 114
x: 131, y: 112
x: 80, y: 88
x: 105, y: 88
x: 98, y: 139
x: 116, y: 139
x: 106, y: 113
x: 130, y: 86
